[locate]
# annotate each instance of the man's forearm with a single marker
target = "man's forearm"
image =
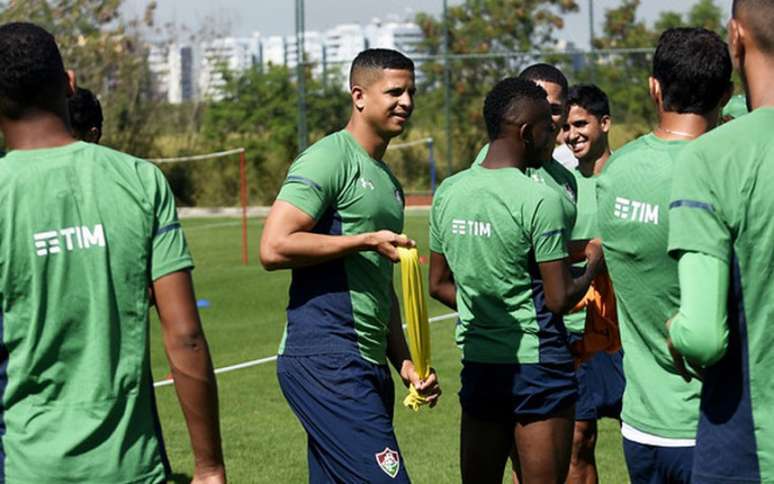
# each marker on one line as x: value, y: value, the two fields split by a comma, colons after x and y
x: 700, y: 330
x: 397, y: 348
x: 191, y: 365
x: 302, y: 249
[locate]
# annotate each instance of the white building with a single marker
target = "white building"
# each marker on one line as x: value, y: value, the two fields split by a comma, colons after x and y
x: 181, y: 73
x: 172, y: 72
x: 405, y: 37
x: 234, y: 54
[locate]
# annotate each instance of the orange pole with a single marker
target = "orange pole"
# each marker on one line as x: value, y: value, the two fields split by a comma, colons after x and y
x: 243, y: 197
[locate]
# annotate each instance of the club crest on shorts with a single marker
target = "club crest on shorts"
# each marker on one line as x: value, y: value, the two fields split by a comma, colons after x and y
x: 389, y: 461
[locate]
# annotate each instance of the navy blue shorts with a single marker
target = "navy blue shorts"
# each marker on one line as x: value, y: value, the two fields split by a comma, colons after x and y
x: 345, y: 404
x: 600, y: 387
x: 650, y: 464
x: 517, y: 393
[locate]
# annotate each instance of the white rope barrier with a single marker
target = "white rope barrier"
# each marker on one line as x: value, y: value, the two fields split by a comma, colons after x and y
x: 219, y: 154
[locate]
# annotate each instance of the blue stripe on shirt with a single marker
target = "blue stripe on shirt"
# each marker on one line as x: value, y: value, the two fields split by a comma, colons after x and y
x: 692, y: 204
x: 304, y: 180
x: 167, y: 228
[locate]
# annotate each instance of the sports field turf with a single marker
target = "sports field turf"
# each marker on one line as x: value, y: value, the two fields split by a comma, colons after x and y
x: 263, y: 442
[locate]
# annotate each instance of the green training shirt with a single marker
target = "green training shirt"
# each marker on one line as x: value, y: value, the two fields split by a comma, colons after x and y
x: 85, y: 229
x: 342, y: 305
x: 494, y: 227
x: 585, y: 228
x: 722, y: 206
x: 632, y: 213
x: 556, y: 176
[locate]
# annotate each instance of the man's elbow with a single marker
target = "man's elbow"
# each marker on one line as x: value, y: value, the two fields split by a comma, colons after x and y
x: 557, y: 303
x: 704, y: 353
x: 434, y: 289
x: 271, y: 260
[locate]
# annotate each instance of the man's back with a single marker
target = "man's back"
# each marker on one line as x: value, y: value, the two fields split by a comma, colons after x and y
x: 633, y: 197
x: 493, y: 247
x: 722, y: 206
x: 84, y: 231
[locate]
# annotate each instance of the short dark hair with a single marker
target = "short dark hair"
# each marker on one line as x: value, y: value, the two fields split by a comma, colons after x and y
x: 759, y: 21
x: 32, y: 73
x: 378, y: 59
x: 546, y: 73
x: 589, y: 97
x: 510, y: 97
x: 694, y: 69
x: 85, y: 111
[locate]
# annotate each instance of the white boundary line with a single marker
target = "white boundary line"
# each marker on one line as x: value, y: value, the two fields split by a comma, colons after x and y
x: 269, y: 359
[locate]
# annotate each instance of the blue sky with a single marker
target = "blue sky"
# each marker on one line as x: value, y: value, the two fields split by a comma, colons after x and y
x: 270, y: 17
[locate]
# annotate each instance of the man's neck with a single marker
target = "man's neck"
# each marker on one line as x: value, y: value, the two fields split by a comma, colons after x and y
x: 682, y: 127
x: 36, y: 132
x: 374, y: 144
x: 504, y: 153
x: 592, y: 166
x: 759, y: 72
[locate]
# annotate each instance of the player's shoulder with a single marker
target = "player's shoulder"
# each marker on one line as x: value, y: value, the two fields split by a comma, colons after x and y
x: 335, y: 146
x: 447, y: 186
x: 633, y: 147
x: 735, y: 137
x: 330, y: 154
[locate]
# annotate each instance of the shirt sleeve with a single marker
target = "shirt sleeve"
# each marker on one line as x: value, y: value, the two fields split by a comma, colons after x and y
x: 313, y: 182
x: 700, y: 213
x: 700, y: 330
x: 169, y: 251
x: 436, y: 231
x: 548, y: 230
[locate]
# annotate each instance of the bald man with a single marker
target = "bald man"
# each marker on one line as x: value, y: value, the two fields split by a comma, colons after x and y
x: 721, y: 231
x: 336, y: 224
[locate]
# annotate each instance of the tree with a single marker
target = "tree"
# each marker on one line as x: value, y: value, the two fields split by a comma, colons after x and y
x: 258, y: 111
x: 108, y: 57
x: 477, y: 28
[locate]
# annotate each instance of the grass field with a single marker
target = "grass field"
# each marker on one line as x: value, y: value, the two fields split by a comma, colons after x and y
x: 263, y: 441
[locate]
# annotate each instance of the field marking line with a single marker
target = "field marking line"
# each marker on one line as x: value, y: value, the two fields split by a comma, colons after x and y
x: 269, y: 359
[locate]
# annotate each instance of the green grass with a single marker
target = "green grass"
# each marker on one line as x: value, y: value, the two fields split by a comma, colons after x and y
x: 263, y: 441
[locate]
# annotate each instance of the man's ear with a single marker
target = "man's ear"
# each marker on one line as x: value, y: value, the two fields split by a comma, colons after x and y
x: 736, y: 37
x: 605, y: 123
x: 655, y: 91
x: 72, y: 83
x: 358, y: 97
x: 527, y: 134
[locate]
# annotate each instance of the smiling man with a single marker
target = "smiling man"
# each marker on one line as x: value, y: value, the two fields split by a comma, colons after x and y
x: 335, y: 223
x: 600, y: 379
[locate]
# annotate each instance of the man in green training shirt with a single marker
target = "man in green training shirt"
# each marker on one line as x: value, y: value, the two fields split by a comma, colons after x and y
x: 550, y: 172
x: 85, y: 230
x: 600, y: 379
x: 721, y: 235
x: 336, y: 223
x: 691, y: 80
x: 499, y: 256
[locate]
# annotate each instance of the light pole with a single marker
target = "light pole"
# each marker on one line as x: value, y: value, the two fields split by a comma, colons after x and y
x: 303, y: 140
x: 447, y: 89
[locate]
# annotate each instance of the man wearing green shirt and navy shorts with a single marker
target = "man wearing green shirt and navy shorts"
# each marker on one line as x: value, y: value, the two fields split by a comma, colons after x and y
x: 550, y: 172
x: 336, y: 223
x: 600, y: 379
x: 85, y: 231
x: 499, y: 256
x: 690, y: 82
x: 721, y: 232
